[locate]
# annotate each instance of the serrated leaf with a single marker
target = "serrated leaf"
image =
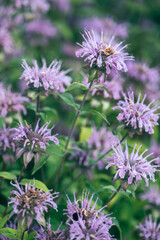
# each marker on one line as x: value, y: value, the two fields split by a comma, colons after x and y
x: 9, y: 232
x: 77, y: 85
x: 38, y: 184
x: 41, y: 162
x: 68, y: 99
x: 7, y: 175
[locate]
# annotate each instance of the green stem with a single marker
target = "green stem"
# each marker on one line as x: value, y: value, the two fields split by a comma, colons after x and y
x: 70, y: 134
x: 118, y: 189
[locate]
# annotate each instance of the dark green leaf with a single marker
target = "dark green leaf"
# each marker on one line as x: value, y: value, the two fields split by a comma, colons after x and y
x: 68, y: 99
x: 41, y: 162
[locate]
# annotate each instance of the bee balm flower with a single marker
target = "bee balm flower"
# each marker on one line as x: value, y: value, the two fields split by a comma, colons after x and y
x: 107, y: 57
x: 45, y: 78
x: 132, y: 167
x: 149, y: 230
x: 137, y: 114
x: 32, y: 143
x: 85, y: 222
x: 30, y: 203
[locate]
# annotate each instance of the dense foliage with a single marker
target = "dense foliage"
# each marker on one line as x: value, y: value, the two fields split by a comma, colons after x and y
x: 79, y: 119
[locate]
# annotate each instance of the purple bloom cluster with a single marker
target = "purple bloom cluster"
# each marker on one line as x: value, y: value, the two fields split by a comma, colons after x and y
x: 10, y: 101
x: 32, y: 143
x: 7, y: 145
x: 132, y: 167
x: 30, y: 203
x: 149, y: 230
x: 101, y: 141
x: 155, y: 149
x: 46, y: 78
x: 101, y: 55
x: 152, y: 195
x: 48, y: 234
x: 142, y: 72
x: 62, y: 5
x: 41, y: 26
x: 106, y: 25
x: 85, y: 222
x: 137, y: 114
x: 35, y: 5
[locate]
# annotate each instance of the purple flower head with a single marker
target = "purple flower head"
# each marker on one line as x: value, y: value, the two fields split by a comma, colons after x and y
x: 132, y: 167
x: 46, y: 78
x: 35, y: 5
x: 62, y: 5
x: 32, y: 143
x: 101, y: 55
x: 30, y: 203
x: 152, y: 195
x: 7, y: 145
x: 48, y: 234
x: 106, y: 25
x: 155, y: 149
x: 149, y: 230
x: 101, y: 141
x: 11, y: 102
x: 41, y: 26
x: 137, y: 114
x: 85, y: 222
x: 6, y: 41
x: 142, y: 72
x: 6, y: 139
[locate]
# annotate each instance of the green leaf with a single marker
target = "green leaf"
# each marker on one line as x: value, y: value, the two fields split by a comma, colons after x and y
x: 29, y: 236
x: 7, y: 175
x: 99, y: 87
x: 96, y: 113
x: 54, y: 149
x: 38, y: 184
x: 77, y: 85
x: 41, y: 162
x: 92, y: 75
x: 68, y: 99
x: 116, y: 223
x: 110, y: 188
x: 9, y: 232
x: 3, y: 220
